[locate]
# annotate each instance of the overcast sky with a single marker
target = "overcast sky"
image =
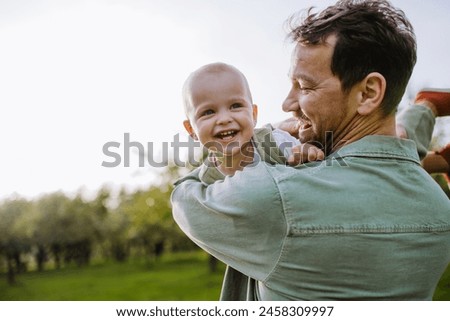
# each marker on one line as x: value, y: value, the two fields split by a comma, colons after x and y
x: 75, y: 75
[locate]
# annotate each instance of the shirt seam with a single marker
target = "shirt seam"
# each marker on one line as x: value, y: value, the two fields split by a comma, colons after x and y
x: 307, y: 231
x: 286, y: 234
x: 379, y: 155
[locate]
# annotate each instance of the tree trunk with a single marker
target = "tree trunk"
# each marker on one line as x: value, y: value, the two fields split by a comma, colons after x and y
x: 56, y: 251
x: 41, y: 257
x: 11, y: 276
x: 212, y: 264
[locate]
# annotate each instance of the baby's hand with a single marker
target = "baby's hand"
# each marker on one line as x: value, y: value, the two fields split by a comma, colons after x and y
x: 304, y: 153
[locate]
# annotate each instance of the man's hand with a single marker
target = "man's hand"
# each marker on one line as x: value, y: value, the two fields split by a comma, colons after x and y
x: 304, y: 153
x: 290, y: 125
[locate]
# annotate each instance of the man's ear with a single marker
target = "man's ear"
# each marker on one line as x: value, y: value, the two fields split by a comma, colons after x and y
x: 255, y: 114
x: 189, y: 129
x: 371, y: 93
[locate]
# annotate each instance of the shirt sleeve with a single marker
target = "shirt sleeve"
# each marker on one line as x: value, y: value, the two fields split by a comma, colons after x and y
x: 284, y: 141
x: 242, y: 226
x: 418, y: 122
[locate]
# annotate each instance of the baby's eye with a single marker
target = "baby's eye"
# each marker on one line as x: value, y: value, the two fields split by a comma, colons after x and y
x: 236, y: 105
x: 207, y: 112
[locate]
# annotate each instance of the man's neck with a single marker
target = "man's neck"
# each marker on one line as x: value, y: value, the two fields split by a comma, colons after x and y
x: 361, y: 126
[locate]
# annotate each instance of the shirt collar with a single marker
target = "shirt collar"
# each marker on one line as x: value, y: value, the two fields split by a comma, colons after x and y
x: 380, y: 146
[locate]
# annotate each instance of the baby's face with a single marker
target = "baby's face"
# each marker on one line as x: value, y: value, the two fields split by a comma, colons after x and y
x: 222, y: 116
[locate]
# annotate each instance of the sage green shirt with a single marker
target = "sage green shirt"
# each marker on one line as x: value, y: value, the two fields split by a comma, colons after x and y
x: 367, y: 223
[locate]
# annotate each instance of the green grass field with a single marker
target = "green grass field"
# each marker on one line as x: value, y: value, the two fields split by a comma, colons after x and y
x: 179, y: 277
x: 442, y: 292
x: 176, y: 277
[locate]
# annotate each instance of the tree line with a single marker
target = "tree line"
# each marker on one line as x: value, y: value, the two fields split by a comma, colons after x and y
x: 65, y: 230
x: 61, y: 230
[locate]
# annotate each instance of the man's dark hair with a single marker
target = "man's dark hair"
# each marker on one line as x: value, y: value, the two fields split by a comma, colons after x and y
x: 372, y: 36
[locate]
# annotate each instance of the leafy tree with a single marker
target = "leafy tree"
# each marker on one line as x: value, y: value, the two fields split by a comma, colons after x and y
x: 13, y: 238
x: 79, y: 230
x: 116, y: 230
x: 63, y: 227
x: 50, y: 224
x: 152, y: 229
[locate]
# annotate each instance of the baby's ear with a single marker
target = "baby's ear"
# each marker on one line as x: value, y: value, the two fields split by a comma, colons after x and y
x: 255, y: 114
x: 189, y: 129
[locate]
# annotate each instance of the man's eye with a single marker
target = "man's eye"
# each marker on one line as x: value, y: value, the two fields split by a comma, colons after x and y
x: 303, y: 88
x: 234, y: 106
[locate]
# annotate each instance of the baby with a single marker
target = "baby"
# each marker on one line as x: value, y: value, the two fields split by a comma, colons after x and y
x: 222, y: 116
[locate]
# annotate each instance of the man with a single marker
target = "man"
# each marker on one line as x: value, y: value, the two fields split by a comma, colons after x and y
x: 366, y: 223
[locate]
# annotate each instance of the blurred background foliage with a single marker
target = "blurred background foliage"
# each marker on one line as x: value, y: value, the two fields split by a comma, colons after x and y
x: 56, y: 231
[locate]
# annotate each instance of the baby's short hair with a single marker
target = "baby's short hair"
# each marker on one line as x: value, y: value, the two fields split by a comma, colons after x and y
x: 215, y: 67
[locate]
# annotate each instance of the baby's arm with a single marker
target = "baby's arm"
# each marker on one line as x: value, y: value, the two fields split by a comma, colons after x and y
x: 294, y: 151
x: 209, y: 173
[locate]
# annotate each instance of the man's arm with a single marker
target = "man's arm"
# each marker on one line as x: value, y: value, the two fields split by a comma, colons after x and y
x: 238, y: 220
x: 418, y: 123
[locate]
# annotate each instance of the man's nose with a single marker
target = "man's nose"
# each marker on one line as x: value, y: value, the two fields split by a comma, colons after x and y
x: 291, y: 102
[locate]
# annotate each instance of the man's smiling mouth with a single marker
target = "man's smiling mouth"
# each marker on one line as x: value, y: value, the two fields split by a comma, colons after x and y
x: 305, y: 122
